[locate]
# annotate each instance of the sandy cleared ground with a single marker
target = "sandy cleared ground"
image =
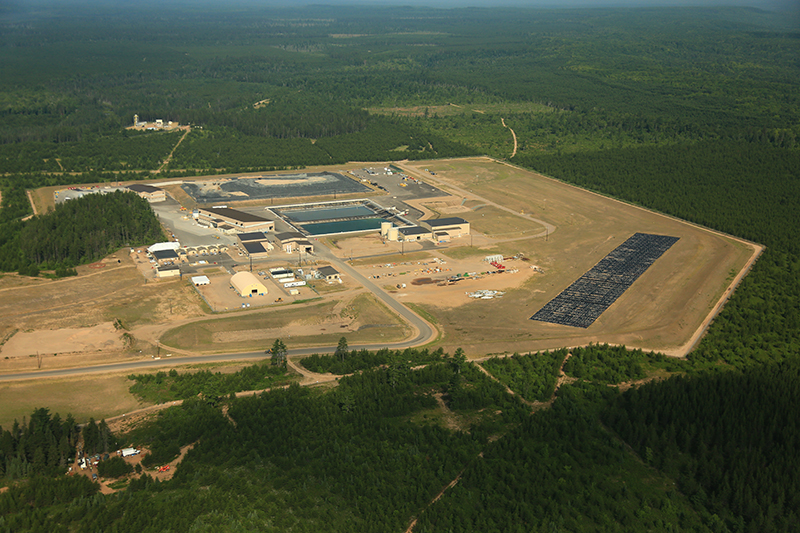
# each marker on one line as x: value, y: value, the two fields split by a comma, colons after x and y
x: 100, y: 337
x: 560, y: 229
x: 661, y: 311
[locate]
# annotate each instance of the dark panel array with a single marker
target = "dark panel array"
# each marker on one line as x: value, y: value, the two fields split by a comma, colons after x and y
x: 581, y: 303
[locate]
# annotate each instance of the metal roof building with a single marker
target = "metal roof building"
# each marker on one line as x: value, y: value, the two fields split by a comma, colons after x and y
x: 148, y: 192
x: 414, y: 233
x: 239, y: 220
x: 255, y: 249
x: 451, y: 226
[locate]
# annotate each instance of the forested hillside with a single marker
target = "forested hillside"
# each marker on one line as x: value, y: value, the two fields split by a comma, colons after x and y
x: 690, y: 111
x: 80, y: 231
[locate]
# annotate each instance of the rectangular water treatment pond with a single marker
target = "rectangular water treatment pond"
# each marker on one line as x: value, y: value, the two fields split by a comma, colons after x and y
x: 343, y: 226
x: 329, y: 213
x: 580, y: 304
x: 232, y: 189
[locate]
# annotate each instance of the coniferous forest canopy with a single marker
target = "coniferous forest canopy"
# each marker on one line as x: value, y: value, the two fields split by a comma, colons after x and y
x: 694, y: 112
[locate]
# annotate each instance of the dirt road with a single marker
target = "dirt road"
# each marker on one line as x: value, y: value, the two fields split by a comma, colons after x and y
x: 169, y: 157
x: 514, y: 152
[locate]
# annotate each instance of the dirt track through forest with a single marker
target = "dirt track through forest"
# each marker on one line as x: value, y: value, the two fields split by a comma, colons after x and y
x: 514, y: 152
x: 169, y: 157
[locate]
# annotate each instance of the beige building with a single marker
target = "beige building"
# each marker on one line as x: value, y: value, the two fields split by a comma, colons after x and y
x: 218, y: 217
x: 166, y: 257
x: 292, y: 241
x: 256, y: 249
x: 247, y: 285
x: 328, y: 273
x: 444, y: 229
x: 413, y: 233
x: 168, y: 272
x: 148, y: 192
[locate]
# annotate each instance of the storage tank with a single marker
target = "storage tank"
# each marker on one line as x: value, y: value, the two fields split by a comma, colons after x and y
x: 385, y: 227
x: 392, y: 234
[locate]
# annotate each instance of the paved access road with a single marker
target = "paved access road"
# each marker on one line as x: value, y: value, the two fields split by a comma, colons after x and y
x: 425, y: 334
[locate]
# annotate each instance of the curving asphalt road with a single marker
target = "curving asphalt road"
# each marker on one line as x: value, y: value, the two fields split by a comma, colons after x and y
x: 425, y: 334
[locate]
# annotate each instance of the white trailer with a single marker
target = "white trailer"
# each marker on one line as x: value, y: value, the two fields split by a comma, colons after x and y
x: 127, y: 452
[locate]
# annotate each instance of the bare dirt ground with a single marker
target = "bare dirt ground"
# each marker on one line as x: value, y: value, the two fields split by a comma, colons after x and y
x: 100, y: 337
x: 668, y: 311
x: 661, y: 311
x: 560, y: 229
x: 67, y: 320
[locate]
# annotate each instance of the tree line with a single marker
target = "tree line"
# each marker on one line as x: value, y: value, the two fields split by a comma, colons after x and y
x: 80, y: 231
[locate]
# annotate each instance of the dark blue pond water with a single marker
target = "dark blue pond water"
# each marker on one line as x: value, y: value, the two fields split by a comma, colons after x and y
x: 344, y: 226
x: 310, y: 215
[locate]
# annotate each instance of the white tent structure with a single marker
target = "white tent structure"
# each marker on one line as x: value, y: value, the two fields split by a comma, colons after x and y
x: 160, y: 246
x: 247, y: 285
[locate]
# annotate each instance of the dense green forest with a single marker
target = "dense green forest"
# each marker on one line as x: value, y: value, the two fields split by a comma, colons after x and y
x: 690, y: 111
x: 173, y: 385
x: 80, y: 231
x: 346, y: 361
x: 532, y: 376
x: 739, y: 461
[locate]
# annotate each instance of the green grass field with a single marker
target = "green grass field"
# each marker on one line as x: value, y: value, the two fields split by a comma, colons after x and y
x: 297, y: 326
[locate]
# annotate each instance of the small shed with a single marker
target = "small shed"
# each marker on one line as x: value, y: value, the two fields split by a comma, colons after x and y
x: 200, y: 280
x: 329, y: 273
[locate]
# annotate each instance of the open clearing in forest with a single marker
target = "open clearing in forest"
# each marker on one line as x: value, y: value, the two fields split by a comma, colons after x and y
x: 560, y: 229
x: 101, y: 396
x: 661, y: 311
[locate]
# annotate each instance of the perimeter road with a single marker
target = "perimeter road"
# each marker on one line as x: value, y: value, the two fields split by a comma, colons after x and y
x: 425, y: 334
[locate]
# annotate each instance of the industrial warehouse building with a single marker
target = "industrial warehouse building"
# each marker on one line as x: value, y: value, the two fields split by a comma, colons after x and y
x: 414, y: 233
x: 168, y: 271
x: 239, y: 221
x: 292, y: 241
x: 253, y: 236
x: 444, y: 229
x: 255, y: 244
x: 166, y: 257
x: 256, y: 249
x: 148, y: 192
x: 247, y: 285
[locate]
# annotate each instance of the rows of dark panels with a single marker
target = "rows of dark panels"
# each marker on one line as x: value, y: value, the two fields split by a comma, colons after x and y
x: 581, y: 303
